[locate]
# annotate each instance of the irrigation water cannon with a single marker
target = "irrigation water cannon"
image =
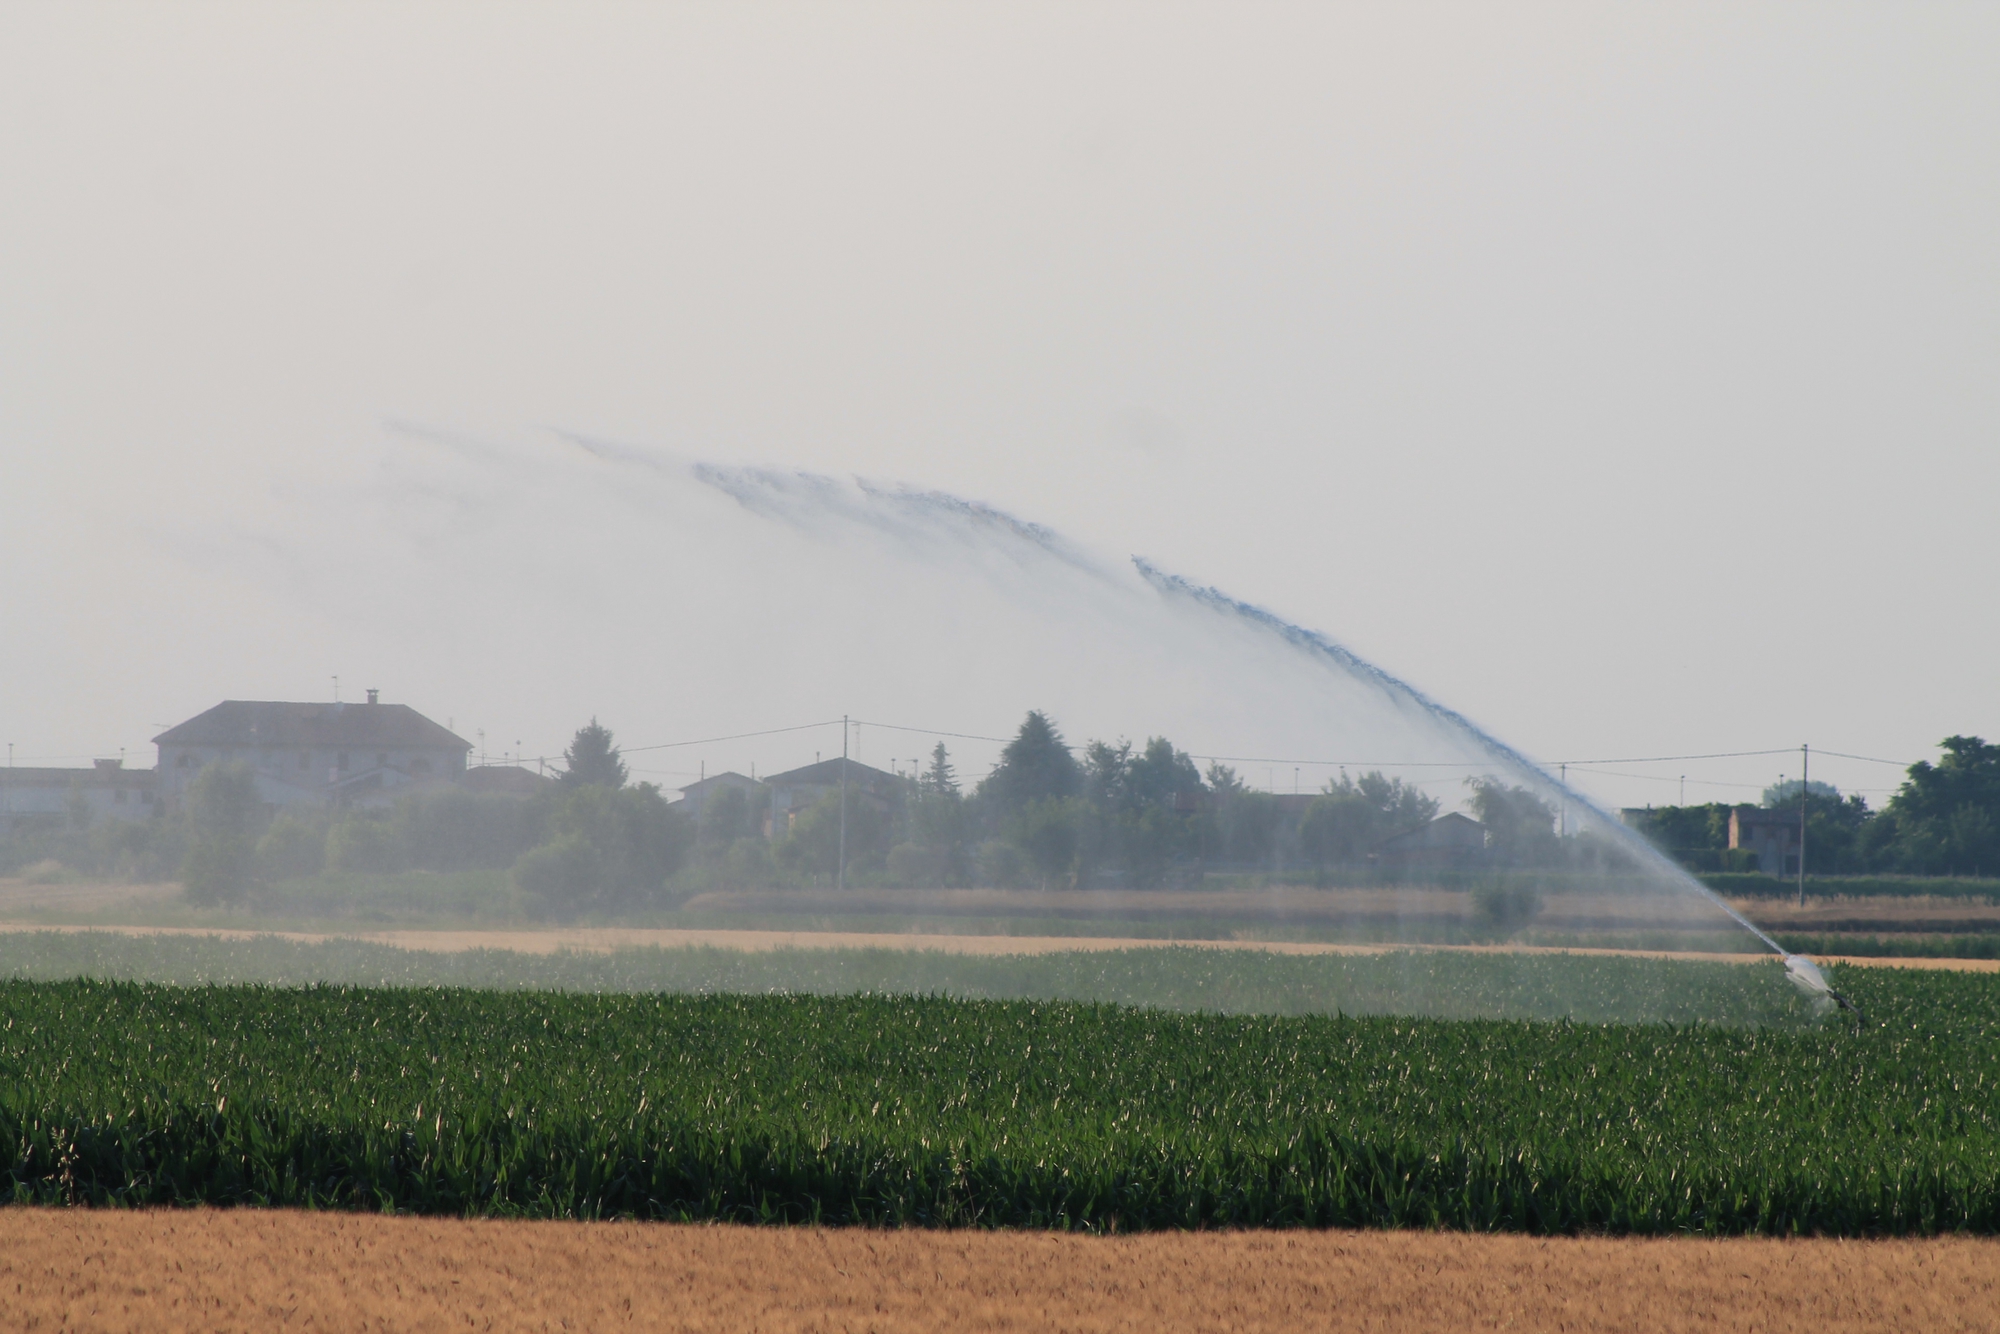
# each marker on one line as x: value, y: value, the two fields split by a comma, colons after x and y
x: 1806, y: 976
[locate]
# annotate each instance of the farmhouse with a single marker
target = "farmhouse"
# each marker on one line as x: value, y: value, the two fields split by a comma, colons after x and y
x: 312, y: 754
x: 1449, y: 841
x: 1772, y: 835
x: 696, y: 796
x: 796, y: 789
x: 105, y: 791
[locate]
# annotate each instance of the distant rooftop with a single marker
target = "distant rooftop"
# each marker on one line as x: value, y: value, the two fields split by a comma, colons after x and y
x: 246, y: 722
x: 827, y: 773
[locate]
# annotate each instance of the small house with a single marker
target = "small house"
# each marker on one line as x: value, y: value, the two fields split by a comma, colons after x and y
x: 796, y: 789
x: 1772, y: 835
x: 1449, y: 842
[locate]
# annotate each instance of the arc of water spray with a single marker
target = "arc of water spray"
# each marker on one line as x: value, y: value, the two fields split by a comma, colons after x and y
x: 775, y: 494
x: 1803, y: 972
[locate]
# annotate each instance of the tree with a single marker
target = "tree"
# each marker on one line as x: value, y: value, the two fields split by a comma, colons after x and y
x: 223, y: 816
x: 1520, y: 825
x: 812, y: 845
x: 1161, y: 775
x: 1697, y: 836
x: 1785, y: 796
x: 729, y: 816
x: 1945, y: 819
x: 940, y: 779
x: 613, y: 849
x: 1833, y: 825
x: 1350, y: 818
x: 1107, y: 773
x: 1246, y: 822
x: 1051, y: 832
x: 592, y: 760
x: 1035, y: 766
x: 937, y: 845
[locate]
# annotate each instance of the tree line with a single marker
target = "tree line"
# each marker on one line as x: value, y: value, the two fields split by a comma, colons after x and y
x: 1052, y: 815
x: 1943, y: 820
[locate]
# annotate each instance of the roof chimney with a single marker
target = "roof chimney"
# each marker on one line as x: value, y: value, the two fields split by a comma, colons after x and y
x: 374, y: 697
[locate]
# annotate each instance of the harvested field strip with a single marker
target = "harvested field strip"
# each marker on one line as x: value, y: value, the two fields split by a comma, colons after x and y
x: 244, y: 1269
x: 885, y: 1110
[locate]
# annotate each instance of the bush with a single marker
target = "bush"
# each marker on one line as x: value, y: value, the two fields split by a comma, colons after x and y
x: 812, y: 848
x: 291, y: 848
x: 1001, y: 864
x: 451, y: 830
x: 561, y: 878
x: 913, y: 865
x: 1506, y: 906
x: 362, y: 843
x: 614, y: 849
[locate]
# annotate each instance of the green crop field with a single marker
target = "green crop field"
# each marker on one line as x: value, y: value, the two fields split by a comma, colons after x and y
x: 936, y: 1111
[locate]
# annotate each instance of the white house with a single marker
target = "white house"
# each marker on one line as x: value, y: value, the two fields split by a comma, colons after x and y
x: 312, y: 754
x: 105, y: 791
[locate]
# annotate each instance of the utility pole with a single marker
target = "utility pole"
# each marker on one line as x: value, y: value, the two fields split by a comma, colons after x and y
x: 336, y: 690
x: 840, y: 880
x: 1684, y: 789
x: 1805, y: 786
x: 1562, y: 820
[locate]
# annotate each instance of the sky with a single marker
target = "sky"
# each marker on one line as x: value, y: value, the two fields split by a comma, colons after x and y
x: 1622, y: 376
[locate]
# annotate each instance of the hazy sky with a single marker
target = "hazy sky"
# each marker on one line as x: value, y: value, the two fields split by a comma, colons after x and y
x: 1623, y: 375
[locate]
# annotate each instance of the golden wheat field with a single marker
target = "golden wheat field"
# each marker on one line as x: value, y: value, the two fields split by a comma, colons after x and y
x: 272, y: 1270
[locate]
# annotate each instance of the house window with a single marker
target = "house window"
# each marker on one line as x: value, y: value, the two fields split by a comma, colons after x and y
x: 118, y: 795
x: 305, y: 759
x: 420, y: 767
x: 381, y: 758
x: 183, y: 762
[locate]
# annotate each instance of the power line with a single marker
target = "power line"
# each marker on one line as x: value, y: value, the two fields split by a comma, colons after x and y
x: 1661, y: 759
x: 1869, y: 759
x: 739, y: 736
x: 933, y: 731
x: 1347, y: 764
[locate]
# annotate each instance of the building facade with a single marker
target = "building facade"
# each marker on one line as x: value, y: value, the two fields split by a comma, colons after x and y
x: 796, y: 789
x: 312, y: 754
x: 1772, y: 835
x: 1452, y: 841
x: 105, y: 791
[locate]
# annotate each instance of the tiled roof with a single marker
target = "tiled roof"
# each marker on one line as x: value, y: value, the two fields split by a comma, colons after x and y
x: 827, y: 774
x: 727, y: 778
x: 510, y: 779
x: 246, y: 722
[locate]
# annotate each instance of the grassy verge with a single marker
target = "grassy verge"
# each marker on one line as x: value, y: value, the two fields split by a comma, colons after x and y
x: 932, y: 1111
